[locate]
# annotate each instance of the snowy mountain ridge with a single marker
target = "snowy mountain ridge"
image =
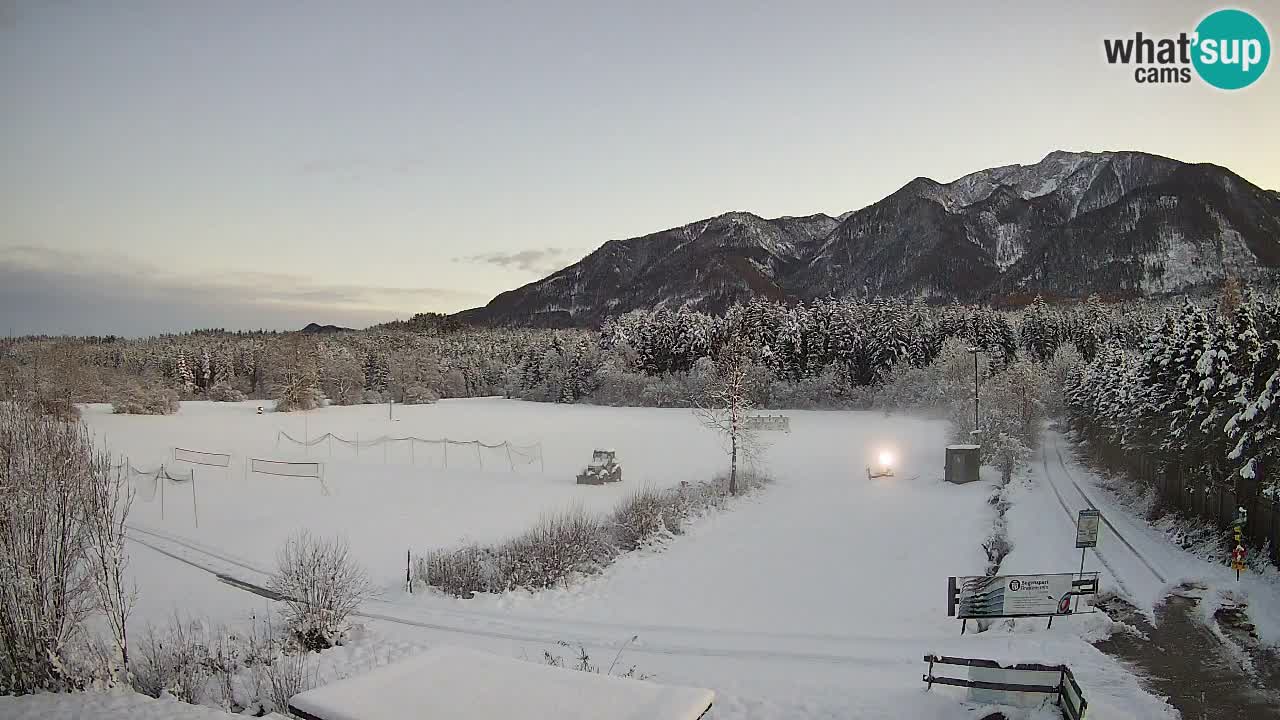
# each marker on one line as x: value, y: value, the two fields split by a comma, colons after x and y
x: 1116, y: 223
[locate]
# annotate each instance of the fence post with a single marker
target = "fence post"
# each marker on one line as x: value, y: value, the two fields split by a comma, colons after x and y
x: 195, y: 513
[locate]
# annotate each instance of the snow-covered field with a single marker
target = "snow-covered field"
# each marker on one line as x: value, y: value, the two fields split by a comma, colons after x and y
x: 817, y: 597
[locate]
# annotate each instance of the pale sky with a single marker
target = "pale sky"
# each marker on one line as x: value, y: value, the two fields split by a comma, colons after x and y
x: 175, y: 164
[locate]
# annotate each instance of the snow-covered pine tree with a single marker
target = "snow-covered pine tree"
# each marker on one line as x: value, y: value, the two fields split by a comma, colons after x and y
x: 183, y: 373
x: 1196, y: 339
x: 205, y: 377
x: 1039, y: 332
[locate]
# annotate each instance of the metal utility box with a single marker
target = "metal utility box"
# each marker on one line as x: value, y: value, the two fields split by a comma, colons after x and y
x: 962, y: 463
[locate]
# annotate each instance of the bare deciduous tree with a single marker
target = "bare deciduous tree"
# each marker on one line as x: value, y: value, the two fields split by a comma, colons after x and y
x: 61, y: 547
x: 726, y: 403
x: 109, y: 502
x: 322, y: 584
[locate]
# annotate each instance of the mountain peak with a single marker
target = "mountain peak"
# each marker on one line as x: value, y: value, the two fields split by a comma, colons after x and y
x: 1117, y: 223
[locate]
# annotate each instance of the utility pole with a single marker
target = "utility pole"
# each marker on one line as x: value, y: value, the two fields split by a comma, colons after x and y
x: 975, y: 350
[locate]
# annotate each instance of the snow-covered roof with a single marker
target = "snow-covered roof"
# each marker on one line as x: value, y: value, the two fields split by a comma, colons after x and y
x: 964, y: 447
x: 450, y: 682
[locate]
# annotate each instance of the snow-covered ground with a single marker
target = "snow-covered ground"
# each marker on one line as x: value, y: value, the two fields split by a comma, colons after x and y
x: 815, y: 598
x: 118, y: 705
x: 1135, y: 560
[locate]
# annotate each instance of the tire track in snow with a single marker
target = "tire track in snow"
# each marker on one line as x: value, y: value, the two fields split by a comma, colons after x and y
x: 1044, y: 458
x: 1071, y: 479
x: 547, y: 637
x: 199, y: 549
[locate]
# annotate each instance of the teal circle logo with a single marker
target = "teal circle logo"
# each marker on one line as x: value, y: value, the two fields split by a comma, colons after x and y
x: 1231, y: 49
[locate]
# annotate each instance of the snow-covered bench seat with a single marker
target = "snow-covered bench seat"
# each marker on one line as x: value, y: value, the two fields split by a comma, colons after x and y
x: 446, y: 683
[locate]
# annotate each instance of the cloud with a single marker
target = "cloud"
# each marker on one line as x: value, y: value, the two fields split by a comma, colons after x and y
x: 53, y: 291
x: 542, y: 261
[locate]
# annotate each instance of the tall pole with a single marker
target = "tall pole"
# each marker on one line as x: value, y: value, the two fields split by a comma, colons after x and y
x: 975, y: 387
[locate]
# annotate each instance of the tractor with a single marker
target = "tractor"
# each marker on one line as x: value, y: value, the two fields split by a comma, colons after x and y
x: 603, y: 468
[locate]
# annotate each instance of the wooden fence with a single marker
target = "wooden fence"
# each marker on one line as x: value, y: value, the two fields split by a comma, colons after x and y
x: 1190, y: 494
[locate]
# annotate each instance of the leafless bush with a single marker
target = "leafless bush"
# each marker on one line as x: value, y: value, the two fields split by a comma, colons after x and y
x: 647, y: 514
x: 564, y: 545
x: 286, y: 677
x: 139, y: 400
x: 322, y: 584
x: 59, y: 408
x: 582, y: 662
x: 175, y: 661
x: 59, y: 530
x: 211, y: 666
x: 462, y: 571
x: 559, y: 546
x: 223, y: 392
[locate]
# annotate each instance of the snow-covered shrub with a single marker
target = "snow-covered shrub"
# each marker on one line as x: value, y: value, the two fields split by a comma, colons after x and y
x: 223, y: 392
x: 453, y: 384
x: 372, y: 397
x: 286, y: 677
x: 461, y: 571
x: 559, y: 546
x: 1015, y: 401
x: 61, y: 521
x: 1005, y: 452
x: 175, y: 661
x: 647, y: 514
x: 299, y: 397
x: 419, y: 394
x: 139, y: 400
x: 665, y: 391
x: 827, y: 389
x: 562, y: 546
x: 944, y: 384
x: 213, y: 666
x: 908, y: 388
x: 556, y: 548
x: 619, y: 388
x: 322, y: 584
x: 341, y: 376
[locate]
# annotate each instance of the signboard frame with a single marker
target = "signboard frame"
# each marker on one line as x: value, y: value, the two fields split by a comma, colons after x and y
x: 1086, y: 584
x: 1087, y: 526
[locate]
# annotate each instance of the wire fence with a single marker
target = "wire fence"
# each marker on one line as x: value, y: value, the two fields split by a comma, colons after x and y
x: 153, y: 484
x: 503, y: 452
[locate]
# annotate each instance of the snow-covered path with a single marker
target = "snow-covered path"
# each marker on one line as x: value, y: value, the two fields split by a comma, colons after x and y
x: 1135, y: 560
